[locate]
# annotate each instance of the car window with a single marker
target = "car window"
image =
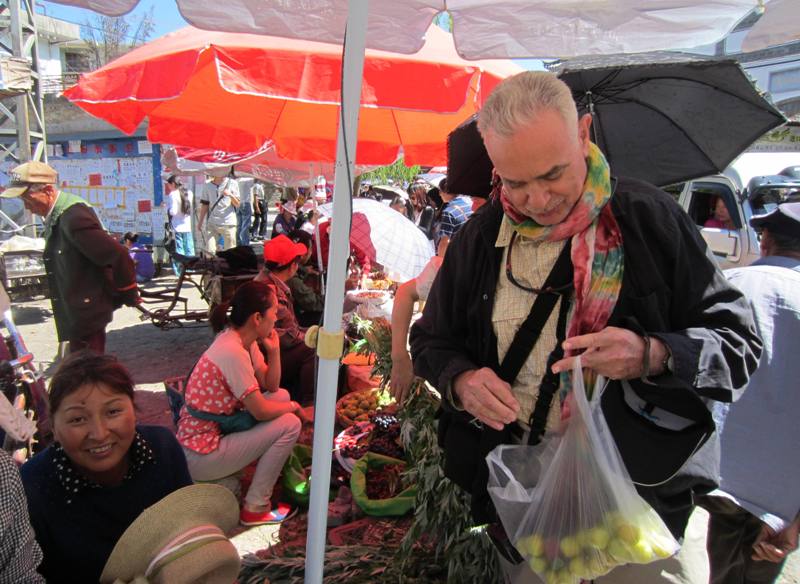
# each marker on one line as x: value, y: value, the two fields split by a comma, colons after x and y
x: 704, y: 199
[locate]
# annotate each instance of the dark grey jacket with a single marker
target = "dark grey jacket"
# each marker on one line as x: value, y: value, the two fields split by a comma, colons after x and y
x: 89, y: 273
x: 671, y: 287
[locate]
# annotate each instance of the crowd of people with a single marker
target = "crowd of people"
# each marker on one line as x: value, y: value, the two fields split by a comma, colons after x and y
x: 609, y: 268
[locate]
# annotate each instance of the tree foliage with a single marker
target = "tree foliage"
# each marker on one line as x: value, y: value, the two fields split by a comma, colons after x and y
x: 398, y: 172
x: 110, y: 37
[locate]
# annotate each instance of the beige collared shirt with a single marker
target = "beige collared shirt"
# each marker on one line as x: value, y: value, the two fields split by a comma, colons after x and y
x: 531, y: 263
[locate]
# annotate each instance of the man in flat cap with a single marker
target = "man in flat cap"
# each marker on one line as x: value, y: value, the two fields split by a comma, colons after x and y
x: 754, y: 517
x: 89, y: 273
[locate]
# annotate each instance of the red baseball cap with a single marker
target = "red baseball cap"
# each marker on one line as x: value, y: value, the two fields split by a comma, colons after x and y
x: 281, y: 250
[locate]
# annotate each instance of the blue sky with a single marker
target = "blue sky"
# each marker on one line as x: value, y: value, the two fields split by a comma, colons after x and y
x: 166, y: 15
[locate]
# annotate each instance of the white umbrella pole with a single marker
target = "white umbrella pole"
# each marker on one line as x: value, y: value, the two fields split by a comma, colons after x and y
x: 325, y: 410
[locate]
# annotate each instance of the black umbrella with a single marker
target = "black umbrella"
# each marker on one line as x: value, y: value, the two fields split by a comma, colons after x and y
x: 469, y: 168
x: 663, y: 117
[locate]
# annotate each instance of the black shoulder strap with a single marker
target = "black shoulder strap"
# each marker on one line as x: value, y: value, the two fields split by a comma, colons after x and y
x: 550, y: 380
x: 543, y: 306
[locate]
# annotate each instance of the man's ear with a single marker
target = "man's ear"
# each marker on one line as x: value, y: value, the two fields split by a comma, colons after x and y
x: 584, y: 133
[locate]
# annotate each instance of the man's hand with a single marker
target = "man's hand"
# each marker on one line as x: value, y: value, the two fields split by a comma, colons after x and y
x: 775, y: 547
x: 487, y: 397
x: 615, y: 353
x: 402, y: 377
x: 272, y: 342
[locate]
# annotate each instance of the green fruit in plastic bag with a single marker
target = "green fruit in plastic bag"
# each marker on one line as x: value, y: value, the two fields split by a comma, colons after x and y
x: 533, y: 545
x: 577, y: 567
x: 538, y: 565
x: 569, y: 546
x: 619, y: 551
x: 642, y: 552
x: 599, y: 537
x: 628, y: 533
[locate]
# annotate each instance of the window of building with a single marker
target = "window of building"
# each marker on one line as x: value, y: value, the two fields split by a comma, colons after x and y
x: 786, y: 80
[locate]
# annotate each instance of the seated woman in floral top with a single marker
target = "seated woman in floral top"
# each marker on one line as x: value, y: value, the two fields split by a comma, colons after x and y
x: 232, y: 378
x: 85, y: 489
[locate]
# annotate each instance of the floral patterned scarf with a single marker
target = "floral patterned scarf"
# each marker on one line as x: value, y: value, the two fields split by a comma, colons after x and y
x: 596, y: 253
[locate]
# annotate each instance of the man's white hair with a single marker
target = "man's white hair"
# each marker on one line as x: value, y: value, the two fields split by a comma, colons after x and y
x: 519, y: 99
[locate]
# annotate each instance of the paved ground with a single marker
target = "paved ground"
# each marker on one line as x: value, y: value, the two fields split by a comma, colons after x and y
x: 150, y: 354
x: 153, y: 355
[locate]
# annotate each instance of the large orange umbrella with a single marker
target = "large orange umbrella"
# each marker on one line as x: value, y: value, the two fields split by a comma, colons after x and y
x: 235, y: 91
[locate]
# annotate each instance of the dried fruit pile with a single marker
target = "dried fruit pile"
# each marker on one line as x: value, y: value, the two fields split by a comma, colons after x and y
x: 384, y: 482
x: 385, y: 438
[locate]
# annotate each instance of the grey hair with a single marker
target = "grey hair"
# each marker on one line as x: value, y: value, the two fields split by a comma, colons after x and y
x: 520, y: 98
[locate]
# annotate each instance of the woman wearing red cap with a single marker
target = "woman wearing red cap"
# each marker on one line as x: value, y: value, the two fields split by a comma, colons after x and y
x: 282, y: 258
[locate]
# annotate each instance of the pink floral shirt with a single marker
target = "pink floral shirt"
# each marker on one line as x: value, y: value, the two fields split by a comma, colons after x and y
x: 222, y: 378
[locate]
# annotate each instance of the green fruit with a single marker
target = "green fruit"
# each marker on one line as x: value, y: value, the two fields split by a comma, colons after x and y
x: 660, y: 551
x: 642, y: 552
x: 628, y: 533
x: 582, y: 537
x: 569, y: 546
x: 598, y: 537
x: 538, y: 565
x: 617, y: 550
x: 577, y: 567
x: 532, y: 545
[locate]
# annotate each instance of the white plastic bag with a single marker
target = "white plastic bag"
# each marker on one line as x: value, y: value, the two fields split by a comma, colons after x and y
x: 568, y: 504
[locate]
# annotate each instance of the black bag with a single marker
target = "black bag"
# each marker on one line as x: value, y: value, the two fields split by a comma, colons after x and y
x: 169, y: 239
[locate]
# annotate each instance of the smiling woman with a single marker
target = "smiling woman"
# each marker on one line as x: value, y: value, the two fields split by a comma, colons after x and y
x: 101, y: 473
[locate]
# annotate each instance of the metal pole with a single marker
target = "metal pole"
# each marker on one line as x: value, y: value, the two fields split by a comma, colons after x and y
x: 325, y: 411
x: 23, y: 119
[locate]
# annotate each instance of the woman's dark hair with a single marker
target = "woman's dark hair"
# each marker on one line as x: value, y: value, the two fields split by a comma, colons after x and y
x: 300, y: 236
x: 87, y: 368
x: 186, y: 206
x: 407, y: 206
x: 132, y: 237
x: 249, y: 298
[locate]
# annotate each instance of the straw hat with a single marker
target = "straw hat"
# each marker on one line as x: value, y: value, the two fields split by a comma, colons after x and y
x: 180, y: 539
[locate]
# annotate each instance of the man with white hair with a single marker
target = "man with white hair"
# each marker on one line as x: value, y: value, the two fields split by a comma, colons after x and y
x: 568, y: 260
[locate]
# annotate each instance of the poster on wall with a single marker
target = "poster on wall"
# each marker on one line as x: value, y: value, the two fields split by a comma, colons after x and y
x: 119, y: 188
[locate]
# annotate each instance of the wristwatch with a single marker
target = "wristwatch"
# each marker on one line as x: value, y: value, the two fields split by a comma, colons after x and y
x: 668, y: 365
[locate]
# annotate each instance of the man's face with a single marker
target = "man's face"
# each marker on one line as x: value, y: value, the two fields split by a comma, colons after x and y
x: 542, y: 165
x: 40, y: 201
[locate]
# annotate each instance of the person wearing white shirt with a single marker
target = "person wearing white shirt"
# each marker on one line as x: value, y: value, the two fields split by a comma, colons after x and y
x: 179, y: 209
x: 218, y: 202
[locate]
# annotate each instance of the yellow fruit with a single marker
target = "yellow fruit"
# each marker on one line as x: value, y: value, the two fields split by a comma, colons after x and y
x: 577, y: 567
x: 642, y: 552
x: 534, y: 545
x: 660, y: 551
x: 617, y: 550
x: 538, y: 565
x: 569, y: 546
x: 598, y: 537
x: 628, y: 533
x: 582, y: 537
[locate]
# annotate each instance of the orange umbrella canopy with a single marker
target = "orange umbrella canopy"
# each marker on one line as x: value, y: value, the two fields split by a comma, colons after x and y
x: 233, y: 92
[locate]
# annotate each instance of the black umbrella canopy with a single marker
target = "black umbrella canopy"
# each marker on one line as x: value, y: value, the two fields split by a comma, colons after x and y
x: 469, y: 168
x: 668, y: 117
x: 660, y: 117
